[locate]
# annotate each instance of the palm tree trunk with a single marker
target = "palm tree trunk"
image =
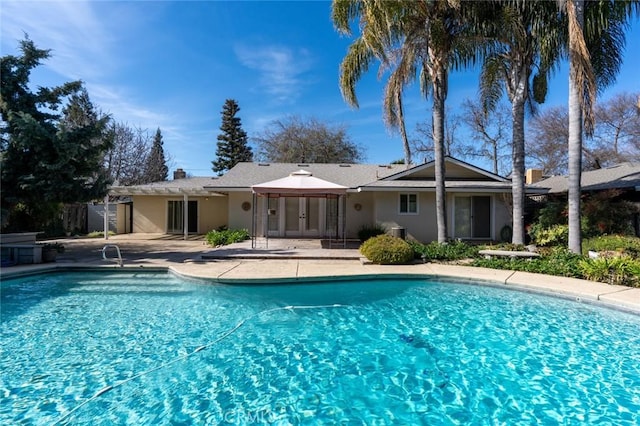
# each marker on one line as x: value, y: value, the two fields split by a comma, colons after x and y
x: 439, y: 96
x: 575, y: 138
x: 517, y: 174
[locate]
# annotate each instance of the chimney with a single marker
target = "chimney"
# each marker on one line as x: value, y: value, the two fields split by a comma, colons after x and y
x: 533, y: 176
x: 179, y: 174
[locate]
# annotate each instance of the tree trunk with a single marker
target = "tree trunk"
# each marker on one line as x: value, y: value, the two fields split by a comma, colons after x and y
x: 439, y: 96
x: 575, y: 140
x: 517, y: 174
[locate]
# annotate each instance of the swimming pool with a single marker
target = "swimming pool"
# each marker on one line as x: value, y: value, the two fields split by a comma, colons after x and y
x: 124, y: 348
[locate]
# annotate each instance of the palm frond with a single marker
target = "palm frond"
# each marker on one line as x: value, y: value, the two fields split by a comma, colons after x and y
x: 492, y: 77
x: 354, y: 64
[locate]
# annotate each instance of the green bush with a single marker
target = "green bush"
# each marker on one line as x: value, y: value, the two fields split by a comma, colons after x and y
x: 557, y: 261
x: 620, y: 243
x: 367, y: 231
x: 453, y: 250
x: 556, y: 235
x: 226, y: 236
x: 387, y: 250
x: 621, y: 270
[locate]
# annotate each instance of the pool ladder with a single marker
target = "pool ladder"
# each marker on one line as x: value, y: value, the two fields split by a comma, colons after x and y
x: 104, y: 254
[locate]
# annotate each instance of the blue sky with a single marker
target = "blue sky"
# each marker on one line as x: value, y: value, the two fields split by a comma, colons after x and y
x: 172, y: 65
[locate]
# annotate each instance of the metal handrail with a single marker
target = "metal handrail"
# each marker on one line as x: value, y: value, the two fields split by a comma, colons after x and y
x: 104, y: 254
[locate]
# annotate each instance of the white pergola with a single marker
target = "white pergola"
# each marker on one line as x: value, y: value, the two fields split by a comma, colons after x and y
x: 160, y: 190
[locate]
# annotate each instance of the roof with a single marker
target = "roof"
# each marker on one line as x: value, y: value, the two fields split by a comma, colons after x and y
x: 461, y: 177
x: 188, y: 186
x: 299, y: 183
x: 245, y: 175
x: 621, y: 176
x: 455, y: 170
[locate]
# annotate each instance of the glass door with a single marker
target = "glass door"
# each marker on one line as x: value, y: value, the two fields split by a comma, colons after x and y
x: 175, y: 217
x: 472, y: 217
x: 302, y: 217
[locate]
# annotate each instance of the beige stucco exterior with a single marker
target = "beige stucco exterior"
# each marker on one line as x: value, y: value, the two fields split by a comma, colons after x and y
x: 362, y: 209
x: 150, y: 213
x: 477, y: 199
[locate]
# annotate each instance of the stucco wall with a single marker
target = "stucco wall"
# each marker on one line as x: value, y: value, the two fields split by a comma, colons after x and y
x: 362, y: 215
x: 239, y: 218
x: 421, y: 227
x: 213, y: 213
x: 150, y: 213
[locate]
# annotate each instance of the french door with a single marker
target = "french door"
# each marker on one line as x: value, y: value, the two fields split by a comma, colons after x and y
x: 301, y: 217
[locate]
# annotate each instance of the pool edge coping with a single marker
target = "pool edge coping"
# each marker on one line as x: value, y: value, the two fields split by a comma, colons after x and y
x: 511, y: 282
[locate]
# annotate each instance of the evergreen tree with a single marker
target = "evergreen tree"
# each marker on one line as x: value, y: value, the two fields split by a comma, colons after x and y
x: 232, y: 142
x: 156, y: 168
x: 46, y: 158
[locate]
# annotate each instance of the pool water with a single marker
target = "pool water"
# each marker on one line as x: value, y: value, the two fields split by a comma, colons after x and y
x: 164, y: 350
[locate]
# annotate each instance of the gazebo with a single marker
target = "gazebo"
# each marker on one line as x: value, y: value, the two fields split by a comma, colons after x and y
x: 299, y: 184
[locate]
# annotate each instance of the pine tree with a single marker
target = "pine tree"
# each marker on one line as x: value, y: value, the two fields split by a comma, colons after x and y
x: 232, y: 142
x: 46, y: 158
x: 156, y: 168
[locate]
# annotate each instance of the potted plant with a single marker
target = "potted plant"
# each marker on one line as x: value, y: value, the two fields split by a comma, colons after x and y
x: 50, y: 251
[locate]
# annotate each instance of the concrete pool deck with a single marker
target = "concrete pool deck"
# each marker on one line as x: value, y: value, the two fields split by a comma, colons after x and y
x: 292, y: 260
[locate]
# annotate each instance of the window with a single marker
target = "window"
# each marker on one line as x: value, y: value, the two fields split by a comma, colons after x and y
x: 408, y: 203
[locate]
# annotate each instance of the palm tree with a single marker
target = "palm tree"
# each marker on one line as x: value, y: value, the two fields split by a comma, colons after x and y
x: 411, y: 38
x: 595, y: 45
x: 525, y: 38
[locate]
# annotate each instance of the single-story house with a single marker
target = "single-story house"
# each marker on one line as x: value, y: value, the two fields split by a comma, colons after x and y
x: 342, y: 199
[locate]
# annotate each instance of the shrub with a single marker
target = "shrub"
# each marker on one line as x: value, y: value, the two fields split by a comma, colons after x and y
x: 557, y: 261
x: 387, y: 250
x: 453, y: 250
x: 604, y: 213
x: 367, y: 231
x: 622, y: 244
x: 226, y: 236
x: 621, y: 270
x: 556, y: 235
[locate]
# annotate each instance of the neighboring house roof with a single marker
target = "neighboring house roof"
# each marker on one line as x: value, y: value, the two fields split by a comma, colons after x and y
x: 621, y: 176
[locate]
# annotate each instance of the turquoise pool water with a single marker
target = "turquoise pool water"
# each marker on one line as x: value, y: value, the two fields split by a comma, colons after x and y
x: 163, y: 350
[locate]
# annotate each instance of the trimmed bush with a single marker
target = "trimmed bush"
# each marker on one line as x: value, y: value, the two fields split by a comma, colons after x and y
x: 367, y: 231
x: 387, y: 250
x: 453, y: 250
x: 226, y: 236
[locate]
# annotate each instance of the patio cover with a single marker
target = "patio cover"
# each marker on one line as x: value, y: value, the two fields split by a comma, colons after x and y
x: 299, y: 184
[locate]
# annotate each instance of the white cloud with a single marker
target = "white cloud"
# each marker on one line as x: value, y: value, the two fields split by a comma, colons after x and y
x: 281, y: 69
x: 78, y: 39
